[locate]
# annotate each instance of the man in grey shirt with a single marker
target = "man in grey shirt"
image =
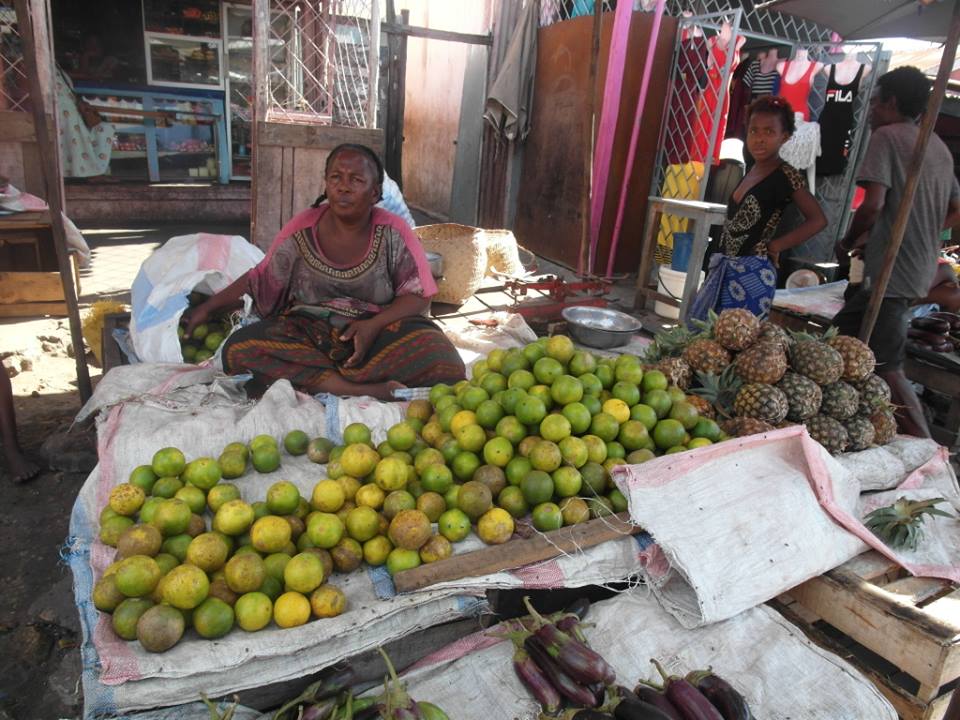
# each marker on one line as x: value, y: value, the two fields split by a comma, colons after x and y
x: 897, y: 102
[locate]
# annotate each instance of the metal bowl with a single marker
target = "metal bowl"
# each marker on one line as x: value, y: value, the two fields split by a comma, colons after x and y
x: 435, y: 260
x: 600, y: 327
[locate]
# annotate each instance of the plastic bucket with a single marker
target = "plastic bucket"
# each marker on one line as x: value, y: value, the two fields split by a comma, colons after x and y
x: 670, y: 283
x: 682, y: 247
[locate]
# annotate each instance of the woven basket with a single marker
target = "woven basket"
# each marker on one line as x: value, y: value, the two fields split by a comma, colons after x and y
x: 464, y: 251
x: 502, y: 254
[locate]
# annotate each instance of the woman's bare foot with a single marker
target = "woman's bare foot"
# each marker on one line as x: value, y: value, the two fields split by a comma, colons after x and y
x: 21, y: 468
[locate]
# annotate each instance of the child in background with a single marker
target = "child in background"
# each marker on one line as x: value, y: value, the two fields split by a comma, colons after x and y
x: 744, y: 273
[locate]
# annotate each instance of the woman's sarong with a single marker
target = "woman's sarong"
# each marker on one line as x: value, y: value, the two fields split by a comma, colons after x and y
x: 306, y: 350
x: 747, y: 282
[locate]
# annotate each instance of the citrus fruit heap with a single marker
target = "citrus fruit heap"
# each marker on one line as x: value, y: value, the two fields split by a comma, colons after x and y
x: 205, y: 339
x: 535, y: 432
x: 191, y: 552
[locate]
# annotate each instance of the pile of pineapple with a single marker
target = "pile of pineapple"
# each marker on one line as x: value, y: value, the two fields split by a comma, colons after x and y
x: 754, y: 376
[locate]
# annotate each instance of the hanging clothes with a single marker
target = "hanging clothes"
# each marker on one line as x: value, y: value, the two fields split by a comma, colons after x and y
x: 803, y: 148
x: 710, y: 98
x: 739, y: 99
x: 836, y: 123
x: 761, y: 83
x: 688, y: 84
x: 797, y: 93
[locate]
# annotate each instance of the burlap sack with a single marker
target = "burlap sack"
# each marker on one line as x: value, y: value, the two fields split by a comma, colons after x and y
x: 464, y: 251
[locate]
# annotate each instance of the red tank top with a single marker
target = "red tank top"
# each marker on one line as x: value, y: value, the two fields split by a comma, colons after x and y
x: 797, y: 93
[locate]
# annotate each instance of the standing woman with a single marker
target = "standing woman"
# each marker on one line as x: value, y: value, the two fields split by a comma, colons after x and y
x: 342, y: 295
x: 744, y: 273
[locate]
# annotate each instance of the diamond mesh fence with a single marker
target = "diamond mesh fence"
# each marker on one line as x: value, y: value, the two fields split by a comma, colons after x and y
x: 14, y: 95
x: 319, y: 70
x: 552, y: 11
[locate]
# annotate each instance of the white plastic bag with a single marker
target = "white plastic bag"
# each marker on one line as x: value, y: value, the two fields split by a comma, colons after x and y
x: 201, y: 261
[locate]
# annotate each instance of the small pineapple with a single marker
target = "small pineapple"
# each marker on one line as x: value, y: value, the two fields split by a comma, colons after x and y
x: 874, y: 393
x: 719, y: 391
x: 736, y: 329
x: 762, y: 402
x: 744, y: 426
x: 858, y: 358
x: 668, y: 343
x: 899, y: 525
x: 677, y: 371
x: 840, y: 400
x: 884, y: 425
x: 771, y: 332
x: 860, y: 432
x: 817, y: 360
x: 708, y: 356
x: 803, y: 396
x: 828, y: 432
x: 762, y: 362
x: 703, y: 406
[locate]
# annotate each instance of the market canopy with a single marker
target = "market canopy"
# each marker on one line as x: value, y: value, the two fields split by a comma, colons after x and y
x: 868, y: 19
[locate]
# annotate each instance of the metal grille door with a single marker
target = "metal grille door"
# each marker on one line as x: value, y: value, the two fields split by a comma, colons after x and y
x: 14, y: 95
x: 319, y: 61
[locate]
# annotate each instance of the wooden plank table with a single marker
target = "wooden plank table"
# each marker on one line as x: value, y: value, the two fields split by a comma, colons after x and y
x: 912, y: 623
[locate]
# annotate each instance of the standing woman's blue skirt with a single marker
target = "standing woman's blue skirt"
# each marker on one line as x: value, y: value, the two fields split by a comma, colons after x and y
x: 736, y: 282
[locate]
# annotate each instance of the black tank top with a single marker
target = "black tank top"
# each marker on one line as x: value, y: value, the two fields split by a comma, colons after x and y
x: 836, y: 124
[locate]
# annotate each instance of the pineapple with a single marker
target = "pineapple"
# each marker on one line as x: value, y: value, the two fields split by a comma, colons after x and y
x: 874, y: 392
x: 828, y: 432
x: 884, y: 424
x: 899, y: 525
x: 743, y: 426
x: 704, y: 355
x: 703, y: 406
x: 677, y: 371
x: 736, y: 329
x: 803, y: 396
x: 718, y: 390
x: 762, y: 402
x: 771, y: 332
x: 817, y: 360
x: 668, y: 343
x: 858, y: 358
x: 762, y: 362
x: 860, y: 431
x: 840, y: 400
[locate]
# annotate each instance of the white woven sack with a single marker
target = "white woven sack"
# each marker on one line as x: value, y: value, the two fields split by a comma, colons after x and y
x: 780, y: 673
x: 464, y: 253
x: 502, y: 254
x: 885, y: 467
x: 738, y: 523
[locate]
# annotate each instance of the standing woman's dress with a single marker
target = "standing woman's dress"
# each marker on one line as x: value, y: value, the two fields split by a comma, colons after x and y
x: 306, y: 300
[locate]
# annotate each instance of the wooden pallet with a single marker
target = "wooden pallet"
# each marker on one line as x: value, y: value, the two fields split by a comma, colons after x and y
x: 912, y: 623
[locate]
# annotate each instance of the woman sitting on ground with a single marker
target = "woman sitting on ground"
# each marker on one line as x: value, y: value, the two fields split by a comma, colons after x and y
x: 744, y: 273
x: 342, y: 294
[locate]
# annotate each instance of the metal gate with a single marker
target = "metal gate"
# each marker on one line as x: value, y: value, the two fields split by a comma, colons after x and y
x: 13, y: 74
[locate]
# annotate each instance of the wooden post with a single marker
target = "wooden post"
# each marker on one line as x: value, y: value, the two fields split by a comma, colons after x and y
x: 373, y: 65
x: 261, y: 98
x: 396, y: 99
x: 33, y: 19
x: 588, y: 135
x: 913, y: 175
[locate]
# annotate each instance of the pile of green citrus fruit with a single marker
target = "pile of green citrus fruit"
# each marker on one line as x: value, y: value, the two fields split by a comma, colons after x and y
x: 535, y: 432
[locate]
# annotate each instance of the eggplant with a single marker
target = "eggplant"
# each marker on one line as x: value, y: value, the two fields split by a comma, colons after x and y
x: 931, y: 324
x: 689, y: 702
x: 579, y: 607
x: 950, y: 317
x: 577, y: 660
x: 658, y: 699
x: 536, y: 681
x: 579, y: 714
x: 564, y: 683
x: 395, y: 703
x: 570, y: 624
x: 632, y: 708
x: 721, y: 694
x: 926, y: 336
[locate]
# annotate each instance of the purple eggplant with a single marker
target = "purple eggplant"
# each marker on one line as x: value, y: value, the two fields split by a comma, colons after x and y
x: 579, y: 607
x: 731, y: 704
x: 658, y: 699
x: 689, y: 702
x: 558, y: 677
x: 395, y: 703
x: 631, y: 708
x: 570, y: 624
x: 536, y: 682
x: 577, y: 660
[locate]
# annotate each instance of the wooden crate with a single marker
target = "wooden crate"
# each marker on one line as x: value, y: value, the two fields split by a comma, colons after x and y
x: 911, y: 623
x: 30, y: 283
